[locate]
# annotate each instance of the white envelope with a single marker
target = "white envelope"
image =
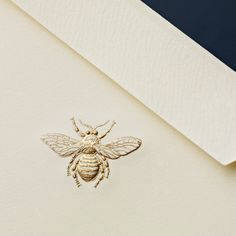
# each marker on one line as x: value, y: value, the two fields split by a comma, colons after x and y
x: 171, y: 74
x: 168, y: 187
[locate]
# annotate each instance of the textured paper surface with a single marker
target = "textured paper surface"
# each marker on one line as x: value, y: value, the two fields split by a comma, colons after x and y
x: 168, y: 187
x: 172, y: 75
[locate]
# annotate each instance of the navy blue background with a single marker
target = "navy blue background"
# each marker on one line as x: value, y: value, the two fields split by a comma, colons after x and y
x: 211, y: 23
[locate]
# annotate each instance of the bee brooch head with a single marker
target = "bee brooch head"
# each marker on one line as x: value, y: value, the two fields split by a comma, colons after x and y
x: 88, y: 157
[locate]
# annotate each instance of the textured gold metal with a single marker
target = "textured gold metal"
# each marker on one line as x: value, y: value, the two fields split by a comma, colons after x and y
x: 88, y: 155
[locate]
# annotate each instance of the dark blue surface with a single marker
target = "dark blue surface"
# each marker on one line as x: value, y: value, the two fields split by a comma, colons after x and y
x: 211, y: 23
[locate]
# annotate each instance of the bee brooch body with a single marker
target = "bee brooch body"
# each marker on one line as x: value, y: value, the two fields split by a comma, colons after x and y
x: 88, y: 157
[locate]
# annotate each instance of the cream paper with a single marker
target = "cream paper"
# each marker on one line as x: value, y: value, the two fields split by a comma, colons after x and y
x: 167, y: 187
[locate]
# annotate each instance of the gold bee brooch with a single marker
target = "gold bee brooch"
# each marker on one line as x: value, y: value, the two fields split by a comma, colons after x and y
x: 88, y: 157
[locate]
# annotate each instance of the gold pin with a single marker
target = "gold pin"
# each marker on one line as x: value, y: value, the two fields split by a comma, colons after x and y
x: 88, y: 155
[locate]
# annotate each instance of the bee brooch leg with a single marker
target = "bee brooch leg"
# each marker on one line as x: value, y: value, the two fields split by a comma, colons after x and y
x: 76, y: 177
x: 106, y: 167
x: 70, y: 165
x: 74, y: 172
x: 101, y: 174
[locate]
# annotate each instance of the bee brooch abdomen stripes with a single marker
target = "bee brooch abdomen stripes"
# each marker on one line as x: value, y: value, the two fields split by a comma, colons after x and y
x: 88, y: 166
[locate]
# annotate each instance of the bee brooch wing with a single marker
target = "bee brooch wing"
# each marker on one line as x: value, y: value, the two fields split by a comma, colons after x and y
x: 62, y: 144
x: 119, y: 147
